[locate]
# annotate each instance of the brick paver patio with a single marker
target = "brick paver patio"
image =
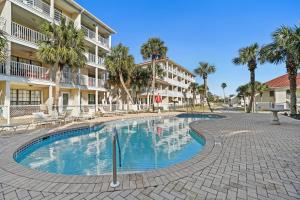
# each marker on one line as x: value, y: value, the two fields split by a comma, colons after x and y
x: 245, y: 158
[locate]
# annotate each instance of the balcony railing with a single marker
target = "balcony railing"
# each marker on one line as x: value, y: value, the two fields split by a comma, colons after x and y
x: 91, y: 57
x: 37, y: 5
x: 100, y: 61
x: 58, y: 16
x: 88, y: 33
x: 26, y: 34
x: 29, y: 71
x: 101, y: 83
x: 103, y: 41
x: 91, y: 81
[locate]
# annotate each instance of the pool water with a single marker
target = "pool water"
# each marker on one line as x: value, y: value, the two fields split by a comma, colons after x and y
x: 145, y: 144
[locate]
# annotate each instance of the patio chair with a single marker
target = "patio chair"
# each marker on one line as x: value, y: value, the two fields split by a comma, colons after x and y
x: 41, y: 119
x: 13, y: 126
x: 85, y: 115
x: 104, y: 113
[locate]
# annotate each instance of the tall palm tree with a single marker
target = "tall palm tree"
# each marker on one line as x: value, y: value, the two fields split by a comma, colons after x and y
x: 120, y: 64
x: 3, y: 43
x: 249, y: 56
x: 64, y: 47
x: 193, y: 87
x: 153, y: 49
x: 285, y: 48
x: 223, y: 86
x: 203, y: 70
x: 243, y: 92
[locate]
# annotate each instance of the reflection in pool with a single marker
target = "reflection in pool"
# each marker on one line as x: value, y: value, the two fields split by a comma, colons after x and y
x: 146, y: 144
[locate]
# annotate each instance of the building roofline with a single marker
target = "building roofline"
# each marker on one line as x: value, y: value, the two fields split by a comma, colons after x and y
x: 90, y: 15
x: 170, y: 60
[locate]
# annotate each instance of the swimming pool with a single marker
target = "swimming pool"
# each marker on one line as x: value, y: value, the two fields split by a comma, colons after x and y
x: 145, y: 144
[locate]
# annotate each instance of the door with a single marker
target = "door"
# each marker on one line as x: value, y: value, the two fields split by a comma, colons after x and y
x: 65, y: 100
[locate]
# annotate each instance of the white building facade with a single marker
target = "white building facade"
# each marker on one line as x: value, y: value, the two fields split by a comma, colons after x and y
x: 27, y: 82
x: 173, y: 86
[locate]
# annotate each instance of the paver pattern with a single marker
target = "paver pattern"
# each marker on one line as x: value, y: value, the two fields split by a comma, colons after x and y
x: 250, y: 159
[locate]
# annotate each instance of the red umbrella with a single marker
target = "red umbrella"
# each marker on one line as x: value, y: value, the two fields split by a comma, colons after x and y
x: 158, y: 99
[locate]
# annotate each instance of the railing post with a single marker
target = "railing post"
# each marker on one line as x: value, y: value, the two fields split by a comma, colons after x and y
x: 115, y: 182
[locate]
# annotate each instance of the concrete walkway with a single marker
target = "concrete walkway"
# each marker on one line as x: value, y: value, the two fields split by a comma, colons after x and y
x: 245, y: 158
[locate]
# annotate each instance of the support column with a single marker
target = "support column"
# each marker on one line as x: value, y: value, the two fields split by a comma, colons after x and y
x: 109, y: 41
x: 50, y: 100
x: 76, y: 110
x: 96, y: 100
x: 96, y: 77
x: 96, y: 31
x: 52, y: 9
x: 7, y: 102
x: 77, y: 21
x: 6, y: 15
x: 97, y: 55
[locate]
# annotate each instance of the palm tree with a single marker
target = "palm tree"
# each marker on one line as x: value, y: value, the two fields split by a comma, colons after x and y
x: 223, y: 86
x: 285, y: 48
x: 153, y: 49
x: 140, y: 79
x: 260, y: 88
x: 3, y: 43
x: 64, y: 47
x: 203, y: 70
x: 249, y: 56
x: 193, y: 87
x: 243, y: 92
x: 120, y: 64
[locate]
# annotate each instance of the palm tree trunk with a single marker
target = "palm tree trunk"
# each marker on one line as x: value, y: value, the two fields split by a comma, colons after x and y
x: 125, y: 88
x: 205, y: 93
x: 224, y: 95
x: 252, y: 82
x: 292, y: 73
x: 57, y: 87
x: 153, y: 84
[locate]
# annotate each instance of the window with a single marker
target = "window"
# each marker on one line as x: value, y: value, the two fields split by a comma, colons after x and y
x: 91, y: 99
x: 272, y: 93
x: 25, y: 97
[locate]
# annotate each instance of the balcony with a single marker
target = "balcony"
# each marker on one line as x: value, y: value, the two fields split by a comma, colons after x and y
x: 58, y: 16
x: 29, y: 71
x: 91, y: 82
x: 26, y: 34
x: 36, y: 5
x: 91, y: 58
x: 103, y: 41
x: 89, y: 33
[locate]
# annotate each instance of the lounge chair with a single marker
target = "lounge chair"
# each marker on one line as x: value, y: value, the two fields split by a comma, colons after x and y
x: 104, y: 113
x: 41, y: 119
x: 13, y: 126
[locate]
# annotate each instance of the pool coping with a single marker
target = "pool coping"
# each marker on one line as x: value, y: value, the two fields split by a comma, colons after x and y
x: 15, y: 174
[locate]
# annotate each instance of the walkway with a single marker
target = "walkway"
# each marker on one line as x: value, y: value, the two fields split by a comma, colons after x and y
x: 246, y: 158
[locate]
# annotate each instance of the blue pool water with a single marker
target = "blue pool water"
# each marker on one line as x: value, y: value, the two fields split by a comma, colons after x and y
x: 145, y: 144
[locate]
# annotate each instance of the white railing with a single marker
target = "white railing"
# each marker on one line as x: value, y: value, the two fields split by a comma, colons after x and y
x: 26, y: 34
x: 103, y: 41
x: 37, y: 5
x: 88, y: 33
x: 91, y: 81
x: 100, y: 61
x: 91, y: 57
x: 101, y: 83
x: 29, y: 71
x: 58, y: 16
x: 2, y: 68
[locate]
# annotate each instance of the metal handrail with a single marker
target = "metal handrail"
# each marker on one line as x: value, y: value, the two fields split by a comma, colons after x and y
x: 115, y: 182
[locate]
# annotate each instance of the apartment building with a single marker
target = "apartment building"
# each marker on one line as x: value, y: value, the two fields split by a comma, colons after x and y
x: 173, y: 86
x: 27, y: 82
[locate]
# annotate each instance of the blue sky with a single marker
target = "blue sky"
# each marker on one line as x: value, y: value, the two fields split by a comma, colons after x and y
x: 194, y: 30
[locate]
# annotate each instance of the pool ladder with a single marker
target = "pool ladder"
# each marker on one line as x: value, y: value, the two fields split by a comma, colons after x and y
x: 115, y: 142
